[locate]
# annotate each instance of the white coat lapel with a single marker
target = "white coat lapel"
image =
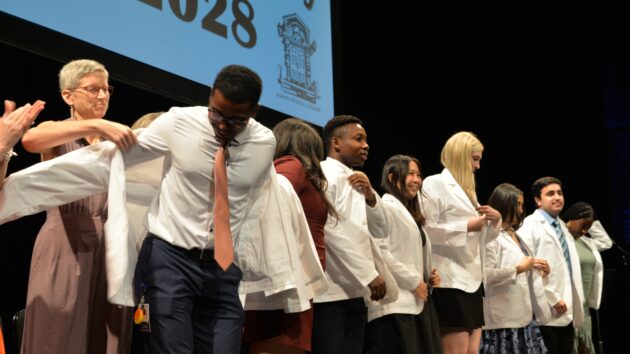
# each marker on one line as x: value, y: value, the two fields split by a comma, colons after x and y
x: 457, y: 190
x: 399, y: 208
x: 548, y: 228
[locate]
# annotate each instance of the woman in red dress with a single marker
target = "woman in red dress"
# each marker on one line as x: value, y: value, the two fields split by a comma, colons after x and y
x: 299, y: 149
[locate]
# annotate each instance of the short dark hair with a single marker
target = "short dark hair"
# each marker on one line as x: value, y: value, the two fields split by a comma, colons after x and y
x: 239, y: 84
x: 504, y: 199
x: 578, y: 210
x: 335, y: 125
x: 543, y: 182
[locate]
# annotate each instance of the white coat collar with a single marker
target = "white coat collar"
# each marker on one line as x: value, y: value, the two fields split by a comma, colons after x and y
x: 457, y: 189
x: 540, y: 218
x: 347, y: 170
x: 399, y: 207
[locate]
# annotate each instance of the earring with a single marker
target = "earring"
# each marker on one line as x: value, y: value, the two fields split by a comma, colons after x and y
x: 72, y: 111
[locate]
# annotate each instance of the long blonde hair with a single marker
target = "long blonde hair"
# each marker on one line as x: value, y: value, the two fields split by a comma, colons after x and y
x: 457, y: 158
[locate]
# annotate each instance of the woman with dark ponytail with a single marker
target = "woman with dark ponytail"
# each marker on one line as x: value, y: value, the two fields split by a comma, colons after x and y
x: 514, y: 291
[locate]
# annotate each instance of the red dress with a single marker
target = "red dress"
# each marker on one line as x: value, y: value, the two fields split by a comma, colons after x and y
x: 292, y: 329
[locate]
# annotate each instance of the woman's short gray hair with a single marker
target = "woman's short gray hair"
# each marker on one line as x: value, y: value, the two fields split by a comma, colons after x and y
x: 73, y: 71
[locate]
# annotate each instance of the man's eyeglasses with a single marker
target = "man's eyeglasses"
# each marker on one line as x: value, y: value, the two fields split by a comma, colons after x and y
x: 237, y: 122
x: 95, y: 90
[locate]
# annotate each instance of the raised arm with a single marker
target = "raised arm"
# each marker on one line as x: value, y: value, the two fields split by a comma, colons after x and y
x: 50, y: 134
x: 13, y: 124
x: 600, y: 237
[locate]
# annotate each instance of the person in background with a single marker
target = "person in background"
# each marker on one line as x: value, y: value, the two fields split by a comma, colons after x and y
x: 13, y: 124
x: 549, y: 239
x: 66, y: 306
x: 299, y: 149
x: 459, y: 229
x: 148, y: 173
x: 145, y: 120
x: 409, y: 324
x: 580, y: 220
x: 514, y: 291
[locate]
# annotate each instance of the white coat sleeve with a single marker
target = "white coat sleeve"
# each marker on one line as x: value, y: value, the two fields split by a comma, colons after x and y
x: 377, y: 221
x: 600, y: 237
x: 75, y: 175
x: 341, y: 241
x: 495, y: 273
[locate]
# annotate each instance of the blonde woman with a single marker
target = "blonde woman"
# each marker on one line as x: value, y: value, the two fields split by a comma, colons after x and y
x: 458, y: 228
x: 66, y: 306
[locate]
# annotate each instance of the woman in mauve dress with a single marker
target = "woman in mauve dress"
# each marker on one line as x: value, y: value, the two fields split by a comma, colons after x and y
x: 66, y: 307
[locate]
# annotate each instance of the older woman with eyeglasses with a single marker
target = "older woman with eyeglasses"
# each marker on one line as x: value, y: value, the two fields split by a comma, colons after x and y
x: 66, y: 307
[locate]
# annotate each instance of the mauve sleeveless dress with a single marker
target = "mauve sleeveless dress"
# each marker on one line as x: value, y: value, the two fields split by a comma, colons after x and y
x: 66, y: 307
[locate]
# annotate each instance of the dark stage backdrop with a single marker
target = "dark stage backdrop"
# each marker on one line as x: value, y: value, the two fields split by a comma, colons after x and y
x: 544, y: 86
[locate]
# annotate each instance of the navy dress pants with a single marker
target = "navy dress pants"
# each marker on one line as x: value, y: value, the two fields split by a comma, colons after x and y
x: 194, y: 304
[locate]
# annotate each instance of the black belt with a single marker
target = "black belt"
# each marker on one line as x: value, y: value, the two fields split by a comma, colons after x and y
x: 205, y: 254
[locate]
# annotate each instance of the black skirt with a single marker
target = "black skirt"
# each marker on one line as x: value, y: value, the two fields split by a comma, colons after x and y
x: 405, y: 334
x: 459, y: 309
x: 429, y: 329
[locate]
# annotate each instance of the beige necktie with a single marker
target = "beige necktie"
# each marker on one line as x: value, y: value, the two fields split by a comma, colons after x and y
x: 223, y: 249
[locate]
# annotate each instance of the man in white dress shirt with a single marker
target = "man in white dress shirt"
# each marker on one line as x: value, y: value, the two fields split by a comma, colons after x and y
x: 548, y: 238
x: 194, y: 303
x: 340, y: 315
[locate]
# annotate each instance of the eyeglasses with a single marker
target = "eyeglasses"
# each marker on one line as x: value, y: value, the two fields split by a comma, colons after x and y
x: 95, y: 90
x: 237, y: 122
